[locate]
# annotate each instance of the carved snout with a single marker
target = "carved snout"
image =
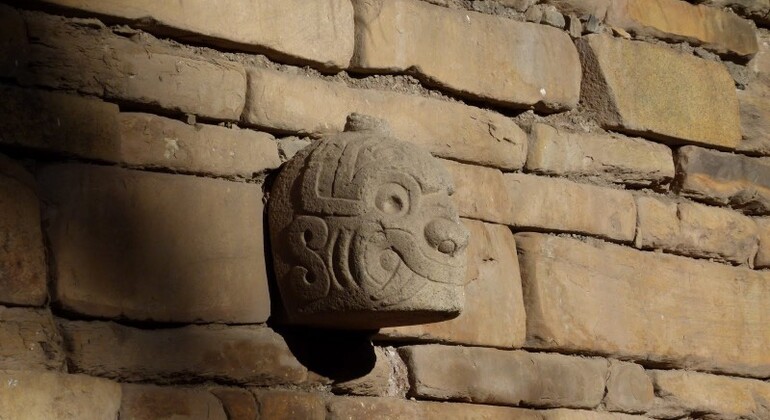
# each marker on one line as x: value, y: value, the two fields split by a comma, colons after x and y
x: 446, y: 236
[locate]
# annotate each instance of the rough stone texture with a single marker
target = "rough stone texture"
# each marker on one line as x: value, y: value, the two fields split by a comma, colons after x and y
x: 290, y: 405
x: 148, y: 246
x: 365, y: 235
x: 22, y: 257
x: 238, y: 403
x: 597, y: 8
x: 494, y: 310
x: 608, y: 299
x: 613, y: 158
x: 676, y: 20
x: 695, y: 230
x: 149, y: 402
x: 565, y: 414
x: 491, y: 376
x: 629, y: 389
x: 12, y: 42
x: 480, y: 193
x: 299, y: 104
x: 763, y: 254
x: 49, y: 395
x: 152, y: 141
x: 519, y: 65
x: 240, y: 354
x: 755, y: 118
x: 724, y: 179
x: 629, y: 85
x: 29, y: 340
x: 346, y: 408
x: 319, y: 32
x: 758, y: 10
x: 683, y: 393
x: 97, y: 62
x: 375, y: 383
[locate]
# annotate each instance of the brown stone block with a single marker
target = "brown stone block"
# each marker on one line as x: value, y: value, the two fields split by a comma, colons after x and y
x: 345, y: 408
x: 29, y: 340
x: 629, y: 389
x: 13, y: 42
x: 290, y: 405
x: 238, y: 403
x: 150, y: 402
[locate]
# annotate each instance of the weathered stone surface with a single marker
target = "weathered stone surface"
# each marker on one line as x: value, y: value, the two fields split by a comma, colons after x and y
x: 629, y: 389
x: 238, y: 403
x: 763, y: 254
x: 724, y: 179
x: 290, y: 405
x: 758, y: 10
x: 695, y: 230
x: 147, y: 246
x: 491, y: 376
x: 597, y: 8
x: 13, y: 42
x: 494, y: 310
x: 346, y: 408
x: 599, y: 297
x: 98, y: 62
x: 151, y: 141
x: 150, y: 402
x: 517, y: 65
x: 299, y: 104
x: 319, y: 32
x: 29, y: 340
x: 49, y: 395
x: 380, y: 381
x: 683, y: 393
x: 613, y: 158
x: 629, y: 85
x: 565, y: 414
x: 755, y: 118
x: 480, y: 193
x: 241, y: 354
x: 365, y: 235
x: 22, y: 257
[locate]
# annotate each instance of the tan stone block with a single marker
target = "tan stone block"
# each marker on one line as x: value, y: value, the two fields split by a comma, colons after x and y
x: 478, y: 56
x: 346, y: 408
x: 491, y: 376
x: 152, y: 246
x: 755, y: 118
x: 319, y: 32
x: 23, y: 272
x: 629, y: 389
x: 597, y: 8
x: 608, y: 299
x: 683, y: 393
x: 695, y: 230
x: 152, y: 141
x: 494, y: 310
x: 101, y: 63
x: 290, y: 405
x: 758, y: 10
x: 613, y: 158
x: 720, y: 178
x: 150, y: 402
x: 630, y: 85
x: 480, y: 193
x: 566, y: 414
x: 238, y: 403
x: 763, y: 254
x: 299, y: 104
x: 29, y: 340
x: 49, y: 395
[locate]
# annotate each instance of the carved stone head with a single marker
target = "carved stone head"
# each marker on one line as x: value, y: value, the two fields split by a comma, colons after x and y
x: 364, y: 233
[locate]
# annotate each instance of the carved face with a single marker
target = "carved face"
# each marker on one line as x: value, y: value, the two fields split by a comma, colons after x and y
x: 364, y: 223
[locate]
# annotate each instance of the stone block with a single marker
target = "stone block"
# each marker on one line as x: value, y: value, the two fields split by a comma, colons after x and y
x: 23, y: 272
x: 29, y: 340
x: 755, y: 118
x: 695, y: 230
x: 608, y: 299
x: 763, y: 254
x: 151, y: 246
x: 317, y: 32
x: 597, y: 8
x: 13, y: 42
x: 235, y: 354
x: 345, y: 408
x: 238, y: 403
x: 99, y: 62
x: 480, y: 192
x: 298, y: 104
x: 566, y: 414
x: 613, y: 158
x: 494, y: 310
x: 478, y: 56
x: 723, y: 179
x: 380, y: 381
x: 501, y: 377
x: 629, y: 389
x: 629, y: 85
x: 49, y: 395
x: 152, y: 141
x: 290, y: 405
x: 150, y: 402
x: 757, y: 10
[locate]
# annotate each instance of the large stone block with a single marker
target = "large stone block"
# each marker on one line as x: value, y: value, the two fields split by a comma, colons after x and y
x: 655, y: 92
x: 319, y: 32
x: 613, y: 158
x: 763, y: 254
x: 629, y: 389
x: 152, y: 246
x: 724, y: 179
x: 598, y: 297
x: 96, y: 61
x: 758, y: 10
x: 494, y: 310
x: 299, y: 104
x: 238, y: 403
x: 480, y: 193
x: 755, y: 117
x: 236, y: 354
x: 566, y: 414
x: 477, y: 56
x: 345, y: 408
x: 13, y: 42
x: 29, y: 340
x: 150, y: 402
x: 290, y: 405
x: 48, y: 395
x: 491, y: 376
x: 23, y: 272
x: 695, y: 230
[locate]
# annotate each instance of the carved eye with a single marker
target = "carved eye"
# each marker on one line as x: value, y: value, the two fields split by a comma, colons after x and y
x: 392, y: 199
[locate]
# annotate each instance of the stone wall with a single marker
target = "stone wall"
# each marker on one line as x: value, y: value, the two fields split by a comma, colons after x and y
x: 611, y: 161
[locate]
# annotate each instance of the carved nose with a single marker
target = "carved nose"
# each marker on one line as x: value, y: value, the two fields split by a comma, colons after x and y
x: 446, y: 236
